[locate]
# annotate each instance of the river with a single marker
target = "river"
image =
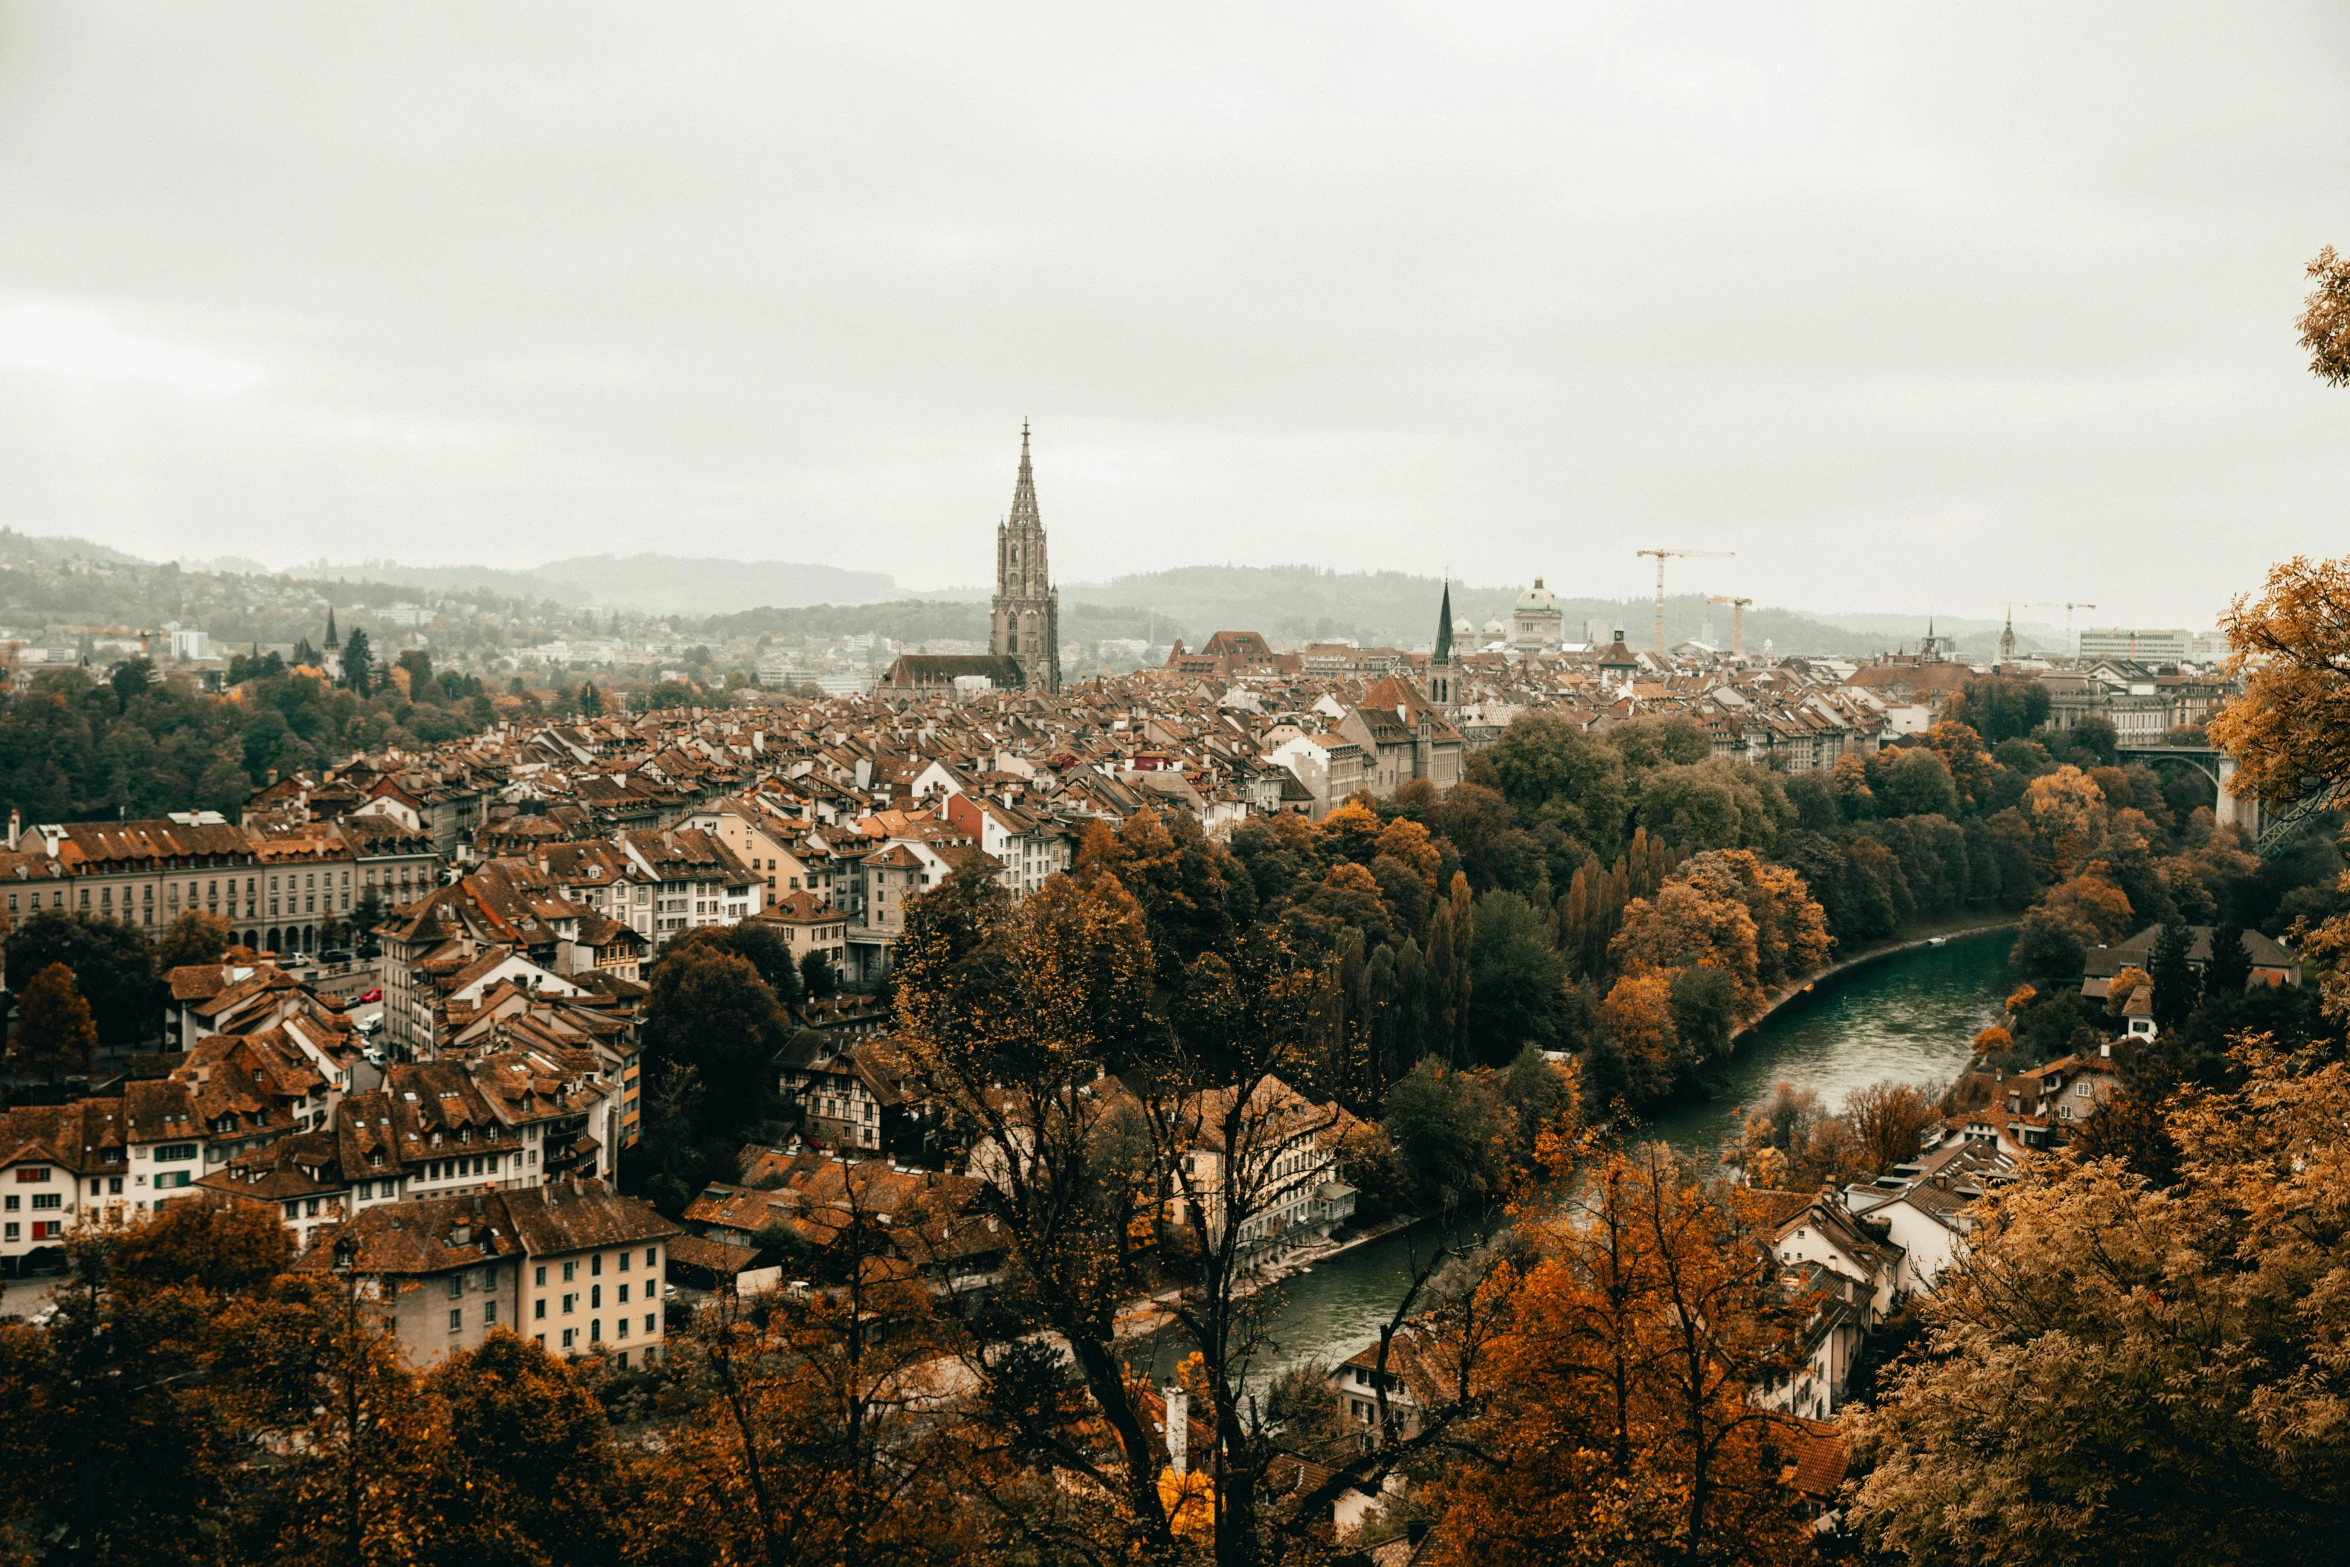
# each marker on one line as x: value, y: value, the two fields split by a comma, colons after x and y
x: 1911, y: 1016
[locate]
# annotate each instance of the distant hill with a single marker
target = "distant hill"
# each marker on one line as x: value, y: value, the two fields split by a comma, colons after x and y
x: 679, y: 585
x: 45, y: 546
x: 1290, y: 604
x: 659, y: 584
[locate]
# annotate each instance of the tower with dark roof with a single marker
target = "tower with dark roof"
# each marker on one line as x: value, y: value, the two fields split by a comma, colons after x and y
x: 1441, y: 675
x: 1026, y: 621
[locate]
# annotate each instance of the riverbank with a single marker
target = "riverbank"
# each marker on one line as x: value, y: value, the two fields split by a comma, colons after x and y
x: 1150, y: 1314
x: 1913, y: 939
x: 1905, y: 1010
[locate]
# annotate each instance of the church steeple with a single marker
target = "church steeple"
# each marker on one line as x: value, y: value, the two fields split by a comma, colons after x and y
x: 1024, y: 513
x: 1026, y: 622
x: 1441, y: 689
x: 333, y: 642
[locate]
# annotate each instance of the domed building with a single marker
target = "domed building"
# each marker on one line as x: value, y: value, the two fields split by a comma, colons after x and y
x: 1494, y: 632
x: 1537, y: 622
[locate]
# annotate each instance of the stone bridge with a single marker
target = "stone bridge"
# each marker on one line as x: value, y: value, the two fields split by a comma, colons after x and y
x: 2268, y: 830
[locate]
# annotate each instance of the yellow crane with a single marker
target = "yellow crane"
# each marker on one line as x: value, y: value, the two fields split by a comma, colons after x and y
x: 1663, y: 555
x: 1737, y: 620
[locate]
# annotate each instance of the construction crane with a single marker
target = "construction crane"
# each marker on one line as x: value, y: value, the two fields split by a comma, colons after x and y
x: 1737, y: 620
x: 2071, y: 648
x: 1663, y: 555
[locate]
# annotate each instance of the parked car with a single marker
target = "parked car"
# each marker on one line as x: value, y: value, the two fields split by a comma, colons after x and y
x: 377, y: 994
x: 335, y: 955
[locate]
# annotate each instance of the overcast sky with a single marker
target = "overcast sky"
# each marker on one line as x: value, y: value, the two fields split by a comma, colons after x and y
x: 1915, y: 307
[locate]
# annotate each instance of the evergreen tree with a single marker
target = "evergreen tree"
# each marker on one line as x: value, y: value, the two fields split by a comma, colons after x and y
x: 2176, y: 986
x: 2230, y: 968
x: 358, y: 664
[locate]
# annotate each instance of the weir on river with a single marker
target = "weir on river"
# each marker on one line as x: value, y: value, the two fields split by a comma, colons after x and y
x: 1911, y: 1016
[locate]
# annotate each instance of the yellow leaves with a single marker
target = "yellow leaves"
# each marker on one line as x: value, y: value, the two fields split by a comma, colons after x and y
x: 2292, y: 652
x: 1604, y: 1425
x: 2123, y: 986
x: 1408, y: 841
x: 1994, y: 1039
x: 1190, y: 1501
x: 2021, y: 997
x: 1353, y: 832
x: 2325, y: 318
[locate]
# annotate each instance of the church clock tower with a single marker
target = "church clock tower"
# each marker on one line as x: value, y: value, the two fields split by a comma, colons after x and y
x: 1026, y: 624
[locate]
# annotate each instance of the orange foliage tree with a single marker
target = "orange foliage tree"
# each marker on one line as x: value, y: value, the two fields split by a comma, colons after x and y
x: 1616, y: 1423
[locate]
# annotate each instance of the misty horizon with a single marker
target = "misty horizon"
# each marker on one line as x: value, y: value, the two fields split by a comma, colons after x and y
x: 1918, y: 312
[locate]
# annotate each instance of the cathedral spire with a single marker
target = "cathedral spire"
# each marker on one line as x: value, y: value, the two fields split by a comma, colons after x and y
x: 1024, y: 513
x: 1444, y: 626
x: 331, y: 640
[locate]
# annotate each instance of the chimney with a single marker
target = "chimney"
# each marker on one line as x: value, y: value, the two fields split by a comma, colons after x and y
x: 15, y: 828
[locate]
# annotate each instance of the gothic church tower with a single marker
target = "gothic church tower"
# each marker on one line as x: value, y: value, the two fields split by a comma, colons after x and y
x: 1026, y: 624
x: 1442, y: 676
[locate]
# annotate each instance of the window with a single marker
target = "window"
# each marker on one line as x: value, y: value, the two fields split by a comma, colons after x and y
x: 651, y: 1252
x: 649, y: 1318
x: 540, y: 1276
x: 624, y: 1263
x: 489, y: 1313
x: 11, y: 1232
x: 538, y: 1308
x: 623, y: 1294
x: 623, y: 1327
x: 32, y: 1175
x: 457, y: 1320
x: 568, y: 1334
x: 570, y: 1304
x: 596, y: 1266
x: 595, y: 1297
x: 456, y: 1285
x: 174, y: 1153
x: 595, y: 1330
x: 48, y: 1200
x: 570, y: 1271
x: 50, y: 1229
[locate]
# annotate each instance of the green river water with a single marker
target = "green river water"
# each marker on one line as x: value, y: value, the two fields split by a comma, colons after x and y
x: 1910, y: 1016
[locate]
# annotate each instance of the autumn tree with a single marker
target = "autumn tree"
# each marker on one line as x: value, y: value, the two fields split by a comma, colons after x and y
x: 1890, y: 1119
x: 1616, y: 1423
x: 2325, y: 318
x: 195, y: 937
x: 312, y: 1362
x: 809, y: 1431
x: 1012, y: 1014
x: 2116, y: 1372
x: 525, y: 1469
x: 53, y: 1026
x: 119, y: 1451
x: 1790, y: 1141
x: 2291, y: 722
